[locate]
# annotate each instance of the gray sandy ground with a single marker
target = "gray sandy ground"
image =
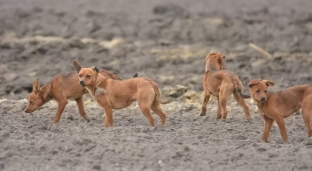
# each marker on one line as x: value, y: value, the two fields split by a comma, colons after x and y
x: 167, y: 41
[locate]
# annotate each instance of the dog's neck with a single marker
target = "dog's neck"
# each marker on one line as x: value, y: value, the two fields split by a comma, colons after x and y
x: 100, y: 82
x: 210, y: 67
x: 45, y: 91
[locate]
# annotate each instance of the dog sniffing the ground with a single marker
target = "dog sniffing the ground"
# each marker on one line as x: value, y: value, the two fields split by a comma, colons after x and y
x: 221, y: 83
x: 275, y: 106
x: 118, y: 94
x: 61, y: 88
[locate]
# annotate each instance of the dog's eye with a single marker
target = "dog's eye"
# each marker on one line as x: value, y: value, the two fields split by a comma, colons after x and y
x: 88, y: 76
x: 257, y: 91
x: 31, y: 101
x: 80, y: 75
x: 265, y: 91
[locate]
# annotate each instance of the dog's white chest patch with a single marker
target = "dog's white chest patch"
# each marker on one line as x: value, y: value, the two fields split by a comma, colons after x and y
x: 99, y: 91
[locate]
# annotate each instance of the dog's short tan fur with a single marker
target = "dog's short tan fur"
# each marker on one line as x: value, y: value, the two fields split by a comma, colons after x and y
x: 118, y: 94
x: 221, y: 83
x: 61, y: 88
x: 275, y: 106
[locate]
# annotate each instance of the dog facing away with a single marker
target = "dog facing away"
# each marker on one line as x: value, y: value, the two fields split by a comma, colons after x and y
x: 221, y: 83
x: 61, y: 88
x: 275, y: 106
x: 118, y: 94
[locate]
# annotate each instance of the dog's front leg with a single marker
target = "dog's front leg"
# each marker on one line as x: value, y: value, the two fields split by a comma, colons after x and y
x: 60, y: 108
x: 268, y: 122
x: 108, y: 121
x: 279, y: 119
x: 81, y: 108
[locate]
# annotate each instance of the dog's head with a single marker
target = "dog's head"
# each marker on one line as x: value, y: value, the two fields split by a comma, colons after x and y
x: 259, y: 89
x: 214, y: 61
x: 87, y: 76
x: 35, y: 99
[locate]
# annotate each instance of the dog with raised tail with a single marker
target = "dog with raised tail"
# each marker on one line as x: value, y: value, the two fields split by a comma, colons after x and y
x: 221, y: 83
x: 118, y: 94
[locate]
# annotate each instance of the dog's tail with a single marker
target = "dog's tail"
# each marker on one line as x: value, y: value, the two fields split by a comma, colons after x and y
x: 238, y: 87
x: 135, y: 75
x: 239, y: 92
x: 158, y: 94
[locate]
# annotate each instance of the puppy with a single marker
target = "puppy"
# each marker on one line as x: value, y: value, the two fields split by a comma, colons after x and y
x: 275, y: 106
x: 118, y: 94
x: 221, y: 83
x: 61, y: 88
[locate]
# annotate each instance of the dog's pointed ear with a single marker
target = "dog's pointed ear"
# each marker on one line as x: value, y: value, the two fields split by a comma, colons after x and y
x: 36, y: 86
x: 253, y: 82
x: 76, y: 65
x: 210, y: 54
x: 221, y: 64
x: 269, y: 83
x: 95, y: 69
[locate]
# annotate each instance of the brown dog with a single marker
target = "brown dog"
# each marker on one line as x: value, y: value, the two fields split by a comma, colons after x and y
x: 117, y: 94
x: 221, y: 83
x: 61, y: 88
x: 275, y: 106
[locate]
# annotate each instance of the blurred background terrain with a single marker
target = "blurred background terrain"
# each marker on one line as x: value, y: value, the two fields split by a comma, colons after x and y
x: 167, y: 41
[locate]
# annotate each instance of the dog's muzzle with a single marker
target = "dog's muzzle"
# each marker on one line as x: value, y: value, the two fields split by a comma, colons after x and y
x: 82, y: 84
x: 262, y: 99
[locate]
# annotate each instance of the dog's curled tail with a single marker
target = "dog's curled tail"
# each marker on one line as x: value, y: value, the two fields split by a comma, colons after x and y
x: 163, y: 101
x: 158, y: 94
x: 238, y: 87
x: 239, y: 92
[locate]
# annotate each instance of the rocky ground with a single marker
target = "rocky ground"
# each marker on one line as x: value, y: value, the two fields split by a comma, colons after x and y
x: 167, y: 41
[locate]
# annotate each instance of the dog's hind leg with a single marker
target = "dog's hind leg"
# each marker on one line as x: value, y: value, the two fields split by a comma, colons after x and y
x: 204, y: 104
x: 60, y: 109
x: 81, y: 108
x: 219, y: 114
x: 243, y: 104
x: 145, y: 101
x: 157, y: 109
x: 306, y: 116
x: 224, y: 95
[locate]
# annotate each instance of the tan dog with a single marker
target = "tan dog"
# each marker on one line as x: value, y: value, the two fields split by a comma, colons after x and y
x: 222, y: 84
x: 61, y: 88
x: 275, y: 106
x: 117, y: 94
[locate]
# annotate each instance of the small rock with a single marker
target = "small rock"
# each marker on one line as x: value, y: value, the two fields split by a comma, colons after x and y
x: 71, y: 118
x: 10, y: 77
x: 170, y: 9
x: 177, y: 91
x: 97, y: 167
x: 4, y: 136
x: 83, y: 141
x: 261, y: 149
x: 191, y: 96
x: 76, y: 43
x: 187, y: 149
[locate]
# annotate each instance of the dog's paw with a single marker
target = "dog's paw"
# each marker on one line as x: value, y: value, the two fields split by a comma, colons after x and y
x: 202, y: 114
x: 309, y: 142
